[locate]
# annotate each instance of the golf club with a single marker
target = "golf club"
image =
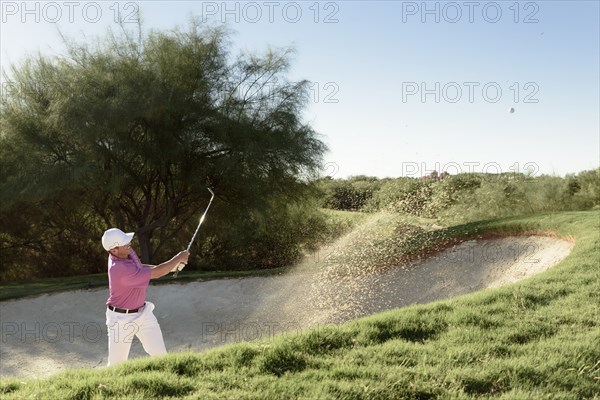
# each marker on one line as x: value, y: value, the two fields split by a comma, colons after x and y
x: 181, y: 265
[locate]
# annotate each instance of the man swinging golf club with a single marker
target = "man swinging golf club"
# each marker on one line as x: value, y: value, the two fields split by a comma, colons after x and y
x: 128, y: 313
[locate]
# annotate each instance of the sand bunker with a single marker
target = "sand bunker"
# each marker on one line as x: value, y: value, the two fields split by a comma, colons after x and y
x: 49, y: 333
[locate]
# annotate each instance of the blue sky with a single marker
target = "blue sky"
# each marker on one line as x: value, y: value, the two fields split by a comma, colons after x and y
x: 387, y: 76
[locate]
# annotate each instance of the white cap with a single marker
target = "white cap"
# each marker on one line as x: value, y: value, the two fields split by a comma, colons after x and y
x: 115, y: 237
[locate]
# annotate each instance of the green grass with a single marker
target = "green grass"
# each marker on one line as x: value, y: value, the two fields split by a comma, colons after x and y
x: 536, y: 339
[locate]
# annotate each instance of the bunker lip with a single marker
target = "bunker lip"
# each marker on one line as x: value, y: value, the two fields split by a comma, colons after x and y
x: 53, y: 332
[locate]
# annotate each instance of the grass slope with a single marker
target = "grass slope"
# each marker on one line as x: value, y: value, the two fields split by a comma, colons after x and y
x: 537, y: 339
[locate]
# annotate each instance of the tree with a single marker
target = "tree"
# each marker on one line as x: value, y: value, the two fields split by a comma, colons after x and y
x: 129, y: 132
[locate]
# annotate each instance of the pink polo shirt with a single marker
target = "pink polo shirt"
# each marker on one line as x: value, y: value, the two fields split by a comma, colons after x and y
x: 127, y: 281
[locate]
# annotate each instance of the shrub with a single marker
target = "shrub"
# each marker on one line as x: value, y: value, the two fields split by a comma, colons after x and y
x: 349, y: 195
x: 585, y: 189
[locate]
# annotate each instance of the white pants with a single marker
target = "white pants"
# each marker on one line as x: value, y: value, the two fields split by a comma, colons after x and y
x: 122, y: 328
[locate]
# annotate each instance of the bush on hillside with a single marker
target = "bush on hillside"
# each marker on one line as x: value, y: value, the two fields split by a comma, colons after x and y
x: 585, y: 189
x: 348, y: 195
x: 471, y: 196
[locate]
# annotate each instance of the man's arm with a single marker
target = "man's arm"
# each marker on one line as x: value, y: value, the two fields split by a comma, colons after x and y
x: 166, y: 267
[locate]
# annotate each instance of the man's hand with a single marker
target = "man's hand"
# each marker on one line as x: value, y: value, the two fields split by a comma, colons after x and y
x: 181, y: 258
x: 171, y: 265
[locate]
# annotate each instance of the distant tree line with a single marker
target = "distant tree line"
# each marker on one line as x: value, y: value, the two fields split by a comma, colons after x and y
x: 466, y: 196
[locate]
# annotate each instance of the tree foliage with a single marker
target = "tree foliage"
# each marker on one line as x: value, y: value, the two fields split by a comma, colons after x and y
x: 468, y: 196
x: 350, y: 194
x: 129, y: 131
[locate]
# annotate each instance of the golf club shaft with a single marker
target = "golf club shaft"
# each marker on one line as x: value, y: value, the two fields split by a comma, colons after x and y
x: 181, y: 265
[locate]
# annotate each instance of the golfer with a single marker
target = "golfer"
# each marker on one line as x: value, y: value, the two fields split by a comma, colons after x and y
x: 128, y: 313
